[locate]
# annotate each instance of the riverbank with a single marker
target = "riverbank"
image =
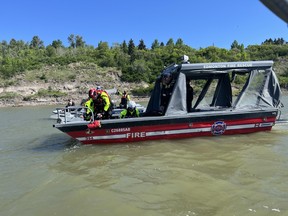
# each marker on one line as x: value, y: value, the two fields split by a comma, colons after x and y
x: 57, y: 101
x: 77, y: 98
x: 54, y: 86
x: 40, y: 93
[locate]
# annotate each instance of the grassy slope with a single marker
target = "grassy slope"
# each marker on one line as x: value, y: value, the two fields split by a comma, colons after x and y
x: 55, y: 84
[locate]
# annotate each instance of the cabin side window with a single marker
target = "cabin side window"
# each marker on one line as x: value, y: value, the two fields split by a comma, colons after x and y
x: 251, y: 94
x: 212, y: 93
x: 203, y: 94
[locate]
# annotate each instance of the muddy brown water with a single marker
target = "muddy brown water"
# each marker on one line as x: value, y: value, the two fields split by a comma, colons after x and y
x: 44, y: 172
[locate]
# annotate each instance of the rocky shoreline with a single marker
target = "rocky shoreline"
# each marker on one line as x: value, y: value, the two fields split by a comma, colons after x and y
x: 43, y: 102
x: 59, y: 101
x: 74, y: 90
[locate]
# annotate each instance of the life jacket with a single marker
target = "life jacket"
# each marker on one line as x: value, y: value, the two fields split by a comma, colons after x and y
x: 131, y: 114
x: 102, y: 102
x: 128, y: 114
x: 93, y: 92
x: 100, y: 91
x: 89, y: 109
x: 90, y: 105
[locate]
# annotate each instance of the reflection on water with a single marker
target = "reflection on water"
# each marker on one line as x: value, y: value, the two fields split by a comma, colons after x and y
x: 55, y: 142
x: 213, y: 176
x: 44, y: 172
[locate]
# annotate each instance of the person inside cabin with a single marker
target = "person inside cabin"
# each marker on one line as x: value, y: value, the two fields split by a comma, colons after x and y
x: 131, y: 111
x: 167, y: 84
x: 189, y: 96
x: 125, y: 98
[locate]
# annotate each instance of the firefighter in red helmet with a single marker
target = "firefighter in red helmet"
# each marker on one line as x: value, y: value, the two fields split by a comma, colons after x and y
x: 100, y: 103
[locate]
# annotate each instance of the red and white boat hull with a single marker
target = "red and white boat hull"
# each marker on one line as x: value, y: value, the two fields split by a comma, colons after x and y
x: 154, y: 128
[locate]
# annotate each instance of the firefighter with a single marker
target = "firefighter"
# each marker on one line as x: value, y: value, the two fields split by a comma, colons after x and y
x: 125, y: 98
x: 167, y: 85
x: 102, y: 104
x: 131, y: 111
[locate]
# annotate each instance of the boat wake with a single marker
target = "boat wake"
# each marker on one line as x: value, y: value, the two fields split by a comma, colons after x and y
x: 281, y: 122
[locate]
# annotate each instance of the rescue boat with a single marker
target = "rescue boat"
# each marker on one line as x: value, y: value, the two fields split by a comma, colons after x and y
x: 229, y: 98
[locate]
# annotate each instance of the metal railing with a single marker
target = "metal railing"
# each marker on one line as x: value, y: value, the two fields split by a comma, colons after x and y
x: 66, y: 113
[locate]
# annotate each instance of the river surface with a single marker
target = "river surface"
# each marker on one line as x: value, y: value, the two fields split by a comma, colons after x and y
x: 44, y: 172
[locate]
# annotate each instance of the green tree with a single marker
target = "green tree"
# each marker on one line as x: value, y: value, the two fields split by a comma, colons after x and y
x: 131, y: 47
x: 79, y: 42
x: 279, y: 41
x: 105, y: 57
x: 36, y: 43
x: 12, y: 43
x: 57, y: 44
x: 136, y: 64
x: 71, y: 41
x: 136, y: 72
x: 122, y: 59
x: 131, y: 50
x: 155, y: 44
x: 268, y: 41
x: 51, y: 51
x: 124, y: 47
x: 3, y: 48
x: 170, y: 42
x: 236, y: 45
x: 179, y: 42
x: 141, y: 45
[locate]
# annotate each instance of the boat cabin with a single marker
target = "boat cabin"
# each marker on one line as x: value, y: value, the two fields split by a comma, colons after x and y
x: 215, y: 86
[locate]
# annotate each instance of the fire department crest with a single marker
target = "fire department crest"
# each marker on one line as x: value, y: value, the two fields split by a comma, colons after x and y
x: 218, y: 128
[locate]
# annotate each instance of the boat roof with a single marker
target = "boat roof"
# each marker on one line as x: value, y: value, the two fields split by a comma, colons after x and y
x: 205, y: 70
x: 226, y: 65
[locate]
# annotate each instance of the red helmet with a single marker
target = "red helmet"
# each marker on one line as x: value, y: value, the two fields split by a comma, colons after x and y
x: 92, y: 93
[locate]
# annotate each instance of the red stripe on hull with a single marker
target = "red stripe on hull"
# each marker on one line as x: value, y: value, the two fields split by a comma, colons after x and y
x: 175, y: 136
x: 169, y: 131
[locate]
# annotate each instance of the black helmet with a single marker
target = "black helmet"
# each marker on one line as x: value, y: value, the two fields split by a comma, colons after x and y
x: 166, y: 78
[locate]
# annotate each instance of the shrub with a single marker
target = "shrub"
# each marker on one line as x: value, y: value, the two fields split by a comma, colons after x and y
x: 8, y: 95
x: 50, y: 93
